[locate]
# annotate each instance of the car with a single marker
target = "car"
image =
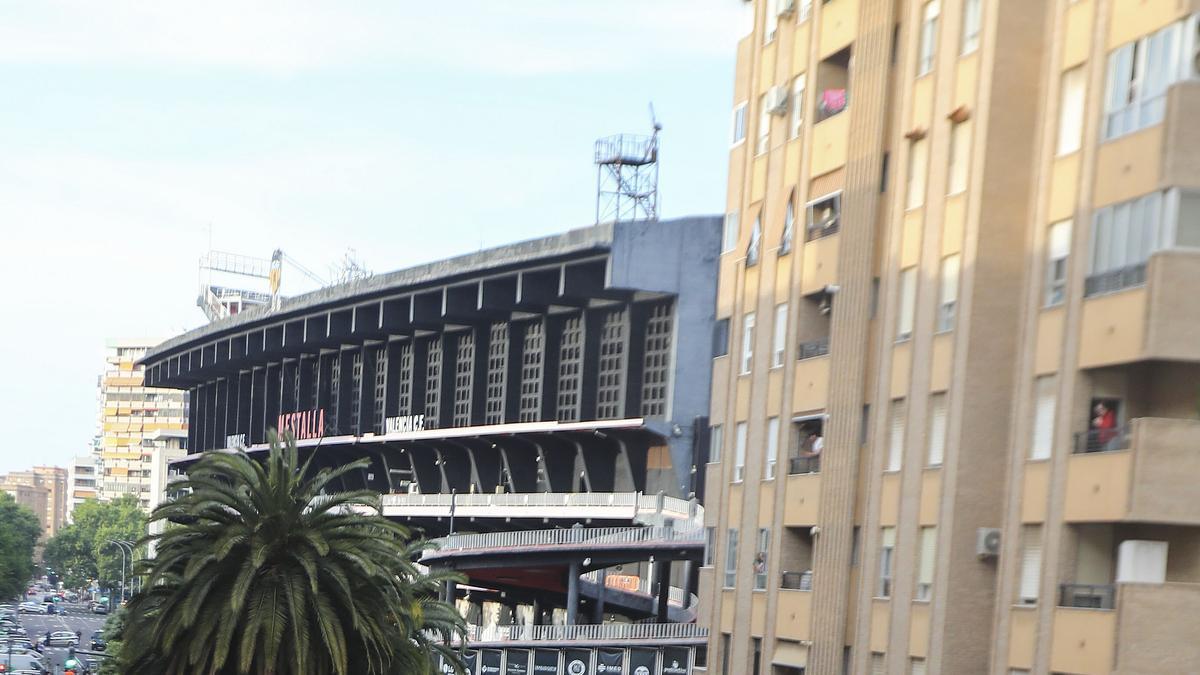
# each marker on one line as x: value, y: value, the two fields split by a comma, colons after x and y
x: 99, y: 608
x: 98, y: 643
x: 32, y: 608
x: 27, y: 662
x: 62, y: 638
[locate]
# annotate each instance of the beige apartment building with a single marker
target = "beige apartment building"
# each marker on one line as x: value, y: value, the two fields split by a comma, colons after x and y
x: 956, y: 407
x: 43, y: 490
x: 139, y: 429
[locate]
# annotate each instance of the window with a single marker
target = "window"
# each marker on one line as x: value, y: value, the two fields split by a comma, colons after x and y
x: 797, y: 106
x: 805, y: 10
x: 739, y: 453
x: 908, y: 303
x: 823, y: 216
x: 896, y: 438
x: 960, y: 158
x: 1138, y: 76
x: 720, y: 346
x: 918, y: 163
x: 754, y: 246
x: 764, y: 126
x: 1045, y: 401
x: 926, y: 561
x: 1031, y: 564
x: 1071, y: 104
x: 747, y: 342
x: 877, y: 664
x: 779, y: 338
x: 716, y: 438
x: 1058, y: 248
x: 1123, y: 237
x: 710, y: 542
x: 887, y: 552
x: 760, y: 559
x: 772, y: 448
x: 929, y: 21
x: 731, y: 545
x: 771, y: 24
x: 916, y: 666
x: 937, y: 430
x: 948, y: 293
x: 972, y: 14
x: 739, y: 124
x: 730, y: 235
x: 725, y: 647
x: 789, y: 228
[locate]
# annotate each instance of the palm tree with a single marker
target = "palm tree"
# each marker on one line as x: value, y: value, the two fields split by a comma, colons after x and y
x: 262, y: 572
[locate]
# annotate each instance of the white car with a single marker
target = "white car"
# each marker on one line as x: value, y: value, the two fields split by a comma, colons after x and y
x: 32, y: 608
x: 62, y: 638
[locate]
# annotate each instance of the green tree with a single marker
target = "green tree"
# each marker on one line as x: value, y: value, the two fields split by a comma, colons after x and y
x: 80, y: 551
x: 19, y: 531
x: 263, y: 572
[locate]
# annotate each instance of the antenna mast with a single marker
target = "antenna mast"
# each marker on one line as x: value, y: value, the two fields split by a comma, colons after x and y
x: 627, y: 176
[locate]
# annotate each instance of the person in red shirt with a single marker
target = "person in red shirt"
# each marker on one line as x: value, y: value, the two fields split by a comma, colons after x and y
x: 1104, y: 425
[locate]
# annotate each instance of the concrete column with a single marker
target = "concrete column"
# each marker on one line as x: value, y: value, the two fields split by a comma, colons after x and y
x: 450, y: 591
x: 598, y: 609
x: 573, y: 593
x: 691, y: 581
x: 537, y: 612
x: 662, y: 573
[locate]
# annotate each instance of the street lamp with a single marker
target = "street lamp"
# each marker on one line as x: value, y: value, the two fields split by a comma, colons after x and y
x: 123, y: 546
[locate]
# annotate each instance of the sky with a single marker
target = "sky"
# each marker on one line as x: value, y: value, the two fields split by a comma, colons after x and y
x: 135, y: 136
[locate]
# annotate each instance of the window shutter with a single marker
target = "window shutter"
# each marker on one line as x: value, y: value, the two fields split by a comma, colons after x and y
x: 1071, y: 109
x: 877, y: 663
x: 772, y: 447
x: 1031, y: 563
x: 937, y: 429
x: 918, y: 667
x: 715, y: 440
x: 1043, y: 420
x: 928, y: 555
x: 739, y: 459
x: 896, y: 440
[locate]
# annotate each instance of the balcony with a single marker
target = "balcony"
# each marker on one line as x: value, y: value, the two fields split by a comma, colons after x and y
x: 1126, y: 628
x: 793, y: 614
x: 802, y: 465
x: 813, y: 348
x: 1143, y: 312
x: 1144, y: 472
x: 802, y: 499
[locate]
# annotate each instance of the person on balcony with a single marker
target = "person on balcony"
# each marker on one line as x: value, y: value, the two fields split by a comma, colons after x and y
x: 1104, y: 427
x: 811, y: 450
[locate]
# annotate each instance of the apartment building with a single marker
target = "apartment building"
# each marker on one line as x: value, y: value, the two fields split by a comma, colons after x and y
x: 135, y: 423
x: 43, y: 489
x: 954, y: 422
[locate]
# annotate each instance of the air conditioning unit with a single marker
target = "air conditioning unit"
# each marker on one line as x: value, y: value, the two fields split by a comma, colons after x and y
x: 987, y: 542
x: 787, y: 7
x: 777, y: 100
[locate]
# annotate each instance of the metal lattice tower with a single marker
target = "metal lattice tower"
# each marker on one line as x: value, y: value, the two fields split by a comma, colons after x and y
x: 627, y: 177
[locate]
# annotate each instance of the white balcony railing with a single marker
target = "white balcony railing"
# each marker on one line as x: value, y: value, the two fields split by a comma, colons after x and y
x: 631, y: 505
x: 604, y: 537
x: 603, y: 632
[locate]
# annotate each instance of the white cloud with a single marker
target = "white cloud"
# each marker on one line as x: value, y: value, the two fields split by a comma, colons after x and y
x: 508, y: 37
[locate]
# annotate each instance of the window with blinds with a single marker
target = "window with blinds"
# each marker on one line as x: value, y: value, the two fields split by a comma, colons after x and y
x: 948, y: 293
x: 906, y: 312
x: 916, y: 666
x: 731, y: 545
x: 1031, y: 564
x: 918, y: 165
x: 761, y: 558
x: 887, y: 552
x: 715, y: 439
x: 772, y: 448
x: 739, y: 457
x: 937, y: 430
x: 779, y: 335
x: 926, y: 562
x: 896, y: 436
x: 1044, y: 405
x: 1058, y: 250
x: 747, y: 342
x: 877, y: 664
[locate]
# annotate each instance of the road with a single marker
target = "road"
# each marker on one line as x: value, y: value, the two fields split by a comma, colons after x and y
x: 75, y: 618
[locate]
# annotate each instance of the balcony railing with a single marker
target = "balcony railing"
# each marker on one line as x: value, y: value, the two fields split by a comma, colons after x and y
x: 675, y: 595
x: 802, y: 465
x: 585, y: 536
x: 1086, y: 596
x: 1102, y: 440
x: 603, y: 632
x: 1114, y: 280
x: 638, y: 504
x: 813, y: 348
x: 798, y: 581
x: 823, y: 229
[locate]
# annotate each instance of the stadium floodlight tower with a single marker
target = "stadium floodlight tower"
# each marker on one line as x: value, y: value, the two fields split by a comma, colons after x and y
x: 627, y: 176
